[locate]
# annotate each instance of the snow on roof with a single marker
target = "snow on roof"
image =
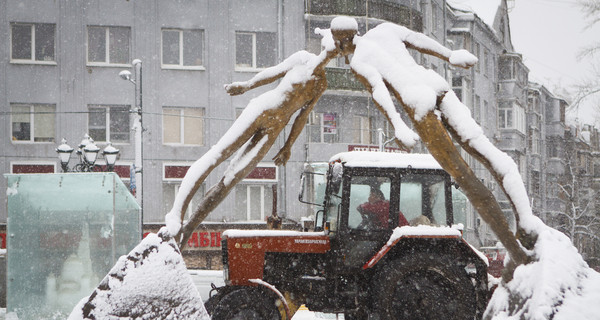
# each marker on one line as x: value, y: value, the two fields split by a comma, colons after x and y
x: 484, y: 9
x: 386, y: 160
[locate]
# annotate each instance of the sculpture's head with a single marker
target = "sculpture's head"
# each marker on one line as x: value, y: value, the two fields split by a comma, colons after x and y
x: 343, y: 30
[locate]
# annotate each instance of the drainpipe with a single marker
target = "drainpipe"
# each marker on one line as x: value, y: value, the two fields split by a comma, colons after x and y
x: 282, y: 183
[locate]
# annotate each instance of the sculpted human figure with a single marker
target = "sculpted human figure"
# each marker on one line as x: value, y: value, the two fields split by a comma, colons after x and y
x: 302, y: 82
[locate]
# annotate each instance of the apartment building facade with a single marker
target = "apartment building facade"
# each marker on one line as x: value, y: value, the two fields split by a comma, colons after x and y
x: 61, y: 61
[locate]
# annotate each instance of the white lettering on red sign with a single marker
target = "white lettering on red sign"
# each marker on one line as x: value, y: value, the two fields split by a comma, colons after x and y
x: 310, y: 241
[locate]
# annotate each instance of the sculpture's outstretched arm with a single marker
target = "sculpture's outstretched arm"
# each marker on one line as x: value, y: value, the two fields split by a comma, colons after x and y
x: 424, y: 44
x: 270, y: 74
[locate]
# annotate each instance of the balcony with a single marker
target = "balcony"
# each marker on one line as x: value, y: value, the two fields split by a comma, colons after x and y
x: 342, y: 79
x: 377, y: 9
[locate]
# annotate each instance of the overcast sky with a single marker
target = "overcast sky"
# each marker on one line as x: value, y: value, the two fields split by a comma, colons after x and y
x: 550, y: 34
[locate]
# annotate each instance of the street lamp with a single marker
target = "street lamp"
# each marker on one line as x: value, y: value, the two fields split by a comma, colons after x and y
x: 137, y: 126
x: 110, y: 153
x: 64, y: 154
x: 88, y: 154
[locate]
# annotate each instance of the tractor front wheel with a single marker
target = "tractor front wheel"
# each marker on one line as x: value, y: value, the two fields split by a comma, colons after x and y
x: 425, y: 286
x: 247, y: 304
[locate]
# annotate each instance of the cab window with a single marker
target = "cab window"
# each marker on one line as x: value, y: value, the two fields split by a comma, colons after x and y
x: 369, y: 205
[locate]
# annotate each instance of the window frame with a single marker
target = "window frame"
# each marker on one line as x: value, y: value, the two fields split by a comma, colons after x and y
x: 242, y: 68
x: 106, y: 62
x: 107, y: 125
x: 255, y: 51
x: 32, y: 113
x: 246, y: 185
x: 182, y: 126
x: 32, y: 59
x: 175, y: 184
x: 181, y: 66
x: 517, y: 116
x: 364, y: 133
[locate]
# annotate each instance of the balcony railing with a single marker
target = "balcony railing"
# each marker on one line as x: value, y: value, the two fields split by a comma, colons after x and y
x: 342, y: 79
x: 377, y: 9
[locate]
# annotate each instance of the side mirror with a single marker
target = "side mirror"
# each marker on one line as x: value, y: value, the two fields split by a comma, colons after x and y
x: 336, y: 178
x: 303, y: 189
x: 319, y: 220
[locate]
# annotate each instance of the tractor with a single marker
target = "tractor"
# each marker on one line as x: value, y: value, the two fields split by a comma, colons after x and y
x: 384, y: 246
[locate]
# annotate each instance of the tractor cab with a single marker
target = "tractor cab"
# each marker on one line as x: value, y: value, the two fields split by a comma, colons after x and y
x: 369, y: 194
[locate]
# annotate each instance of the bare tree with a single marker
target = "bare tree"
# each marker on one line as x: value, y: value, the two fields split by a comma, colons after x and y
x: 591, y: 11
x: 579, y: 222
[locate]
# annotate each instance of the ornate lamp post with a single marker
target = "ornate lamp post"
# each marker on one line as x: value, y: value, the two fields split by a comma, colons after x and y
x: 88, y: 154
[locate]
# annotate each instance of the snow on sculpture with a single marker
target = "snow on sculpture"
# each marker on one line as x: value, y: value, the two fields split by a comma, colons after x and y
x: 151, y: 282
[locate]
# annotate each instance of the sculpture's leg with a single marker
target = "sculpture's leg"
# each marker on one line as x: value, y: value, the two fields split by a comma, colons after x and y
x: 215, y: 156
x: 219, y: 191
x: 283, y: 155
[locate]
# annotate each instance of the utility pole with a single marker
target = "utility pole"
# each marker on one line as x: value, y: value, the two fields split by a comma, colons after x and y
x: 138, y: 128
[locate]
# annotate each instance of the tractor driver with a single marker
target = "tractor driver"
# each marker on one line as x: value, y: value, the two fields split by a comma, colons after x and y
x: 375, y: 212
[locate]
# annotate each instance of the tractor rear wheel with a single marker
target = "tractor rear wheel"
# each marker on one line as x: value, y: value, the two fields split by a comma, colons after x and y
x: 424, y: 286
x: 246, y: 304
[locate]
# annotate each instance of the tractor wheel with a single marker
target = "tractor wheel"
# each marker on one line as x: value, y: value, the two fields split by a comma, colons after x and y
x: 246, y: 304
x: 424, y: 286
x: 356, y: 315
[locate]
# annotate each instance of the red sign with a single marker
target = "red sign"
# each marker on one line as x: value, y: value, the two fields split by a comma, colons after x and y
x: 33, y: 168
x: 262, y: 173
x: 205, y: 239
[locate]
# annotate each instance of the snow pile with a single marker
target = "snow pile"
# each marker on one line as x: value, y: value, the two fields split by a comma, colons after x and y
x: 557, y: 285
x: 151, y: 282
x: 422, y: 230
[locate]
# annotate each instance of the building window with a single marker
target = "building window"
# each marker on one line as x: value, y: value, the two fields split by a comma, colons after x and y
x: 254, y: 202
x: 107, y: 45
x: 322, y: 127
x: 33, y: 123
x: 434, y: 18
x: 462, y: 88
x: 32, y: 42
x: 170, y: 190
x: 173, y: 173
x: 485, y: 112
x: 476, y: 52
x: 477, y: 110
x: 486, y: 61
x: 362, y: 130
x: 255, y: 50
x: 182, y: 48
x: 511, y: 116
x: 183, y: 126
x: 109, y: 123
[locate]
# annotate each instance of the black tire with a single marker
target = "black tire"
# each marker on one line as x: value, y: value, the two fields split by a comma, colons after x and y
x: 356, y: 315
x: 211, y: 303
x: 246, y: 304
x: 424, y: 286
